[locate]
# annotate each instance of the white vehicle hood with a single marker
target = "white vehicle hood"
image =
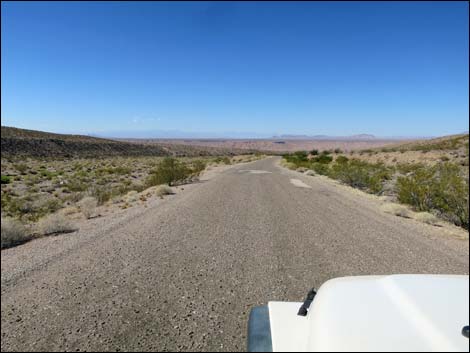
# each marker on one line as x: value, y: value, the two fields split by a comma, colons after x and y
x: 379, y: 313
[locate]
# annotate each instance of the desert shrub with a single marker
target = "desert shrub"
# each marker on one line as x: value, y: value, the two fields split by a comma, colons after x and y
x: 417, y: 189
x: 338, y: 150
x: 326, y: 152
x: 69, y: 210
x: 112, y: 170
x: 12, y: 233
x: 76, y: 185
x: 17, y: 206
x: 131, y: 196
x: 168, y: 172
x: 226, y: 160
x: 5, y: 179
x: 406, y: 168
x: 342, y: 159
x: 104, y: 193
x: 450, y: 194
x: 223, y: 160
x: 21, y: 168
x: 49, y: 206
x: 440, y: 188
x: 361, y: 174
x: 321, y: 168
x: 55, y: 223
x: 426, y: 217
x: 163, y: 190
x: 288, y: 165
x: 198, y: 166
x: 299, y: 158
x: 314, y: 152
x: 88, y: 206
x: 323, y: 158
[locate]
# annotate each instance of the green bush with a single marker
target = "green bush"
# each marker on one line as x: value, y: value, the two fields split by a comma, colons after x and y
x: 168, y: 171
x: 299, y: 159
x: 198, y: 166
x: 440, y: 188
x: 321, y: 168
x: 342, y: 159
x: 323, y: 158
x: 21, y: 168
x: 6, y: 179
x: 224, y: 160
x: 314, y: 152
x: 359, y: 174
x: 301, y: 156
x: 338, y: 150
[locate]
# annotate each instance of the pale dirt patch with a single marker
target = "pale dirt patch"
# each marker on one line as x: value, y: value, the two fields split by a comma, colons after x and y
x: 300, y: 184
x: 254, y: 171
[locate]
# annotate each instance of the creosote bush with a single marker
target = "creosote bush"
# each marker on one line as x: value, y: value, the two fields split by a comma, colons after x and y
x: 169, y: 171
x: 360, y: 174
x: 440, y: 188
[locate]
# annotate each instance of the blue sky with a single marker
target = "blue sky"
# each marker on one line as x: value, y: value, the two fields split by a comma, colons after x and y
x: 236, y: 69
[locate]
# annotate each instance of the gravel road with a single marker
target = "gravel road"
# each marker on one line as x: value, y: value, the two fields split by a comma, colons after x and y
x: 182, y: 274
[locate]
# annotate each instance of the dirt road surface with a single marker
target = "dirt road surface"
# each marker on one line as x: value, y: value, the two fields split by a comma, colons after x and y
x: 183, y: 274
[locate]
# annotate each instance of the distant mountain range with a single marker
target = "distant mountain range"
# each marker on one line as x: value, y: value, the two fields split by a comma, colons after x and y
x: 360, y: 137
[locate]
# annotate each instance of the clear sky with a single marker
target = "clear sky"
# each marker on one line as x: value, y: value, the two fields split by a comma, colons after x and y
x: 238, y: 69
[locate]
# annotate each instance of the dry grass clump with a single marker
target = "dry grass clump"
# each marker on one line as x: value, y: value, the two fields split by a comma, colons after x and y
x: 70, y: 210
x: 288, y: 165
x: 163, y: 190
x: 396, y: 210
x: 427, y: 218
x: 131, y: 196
x: 88, y: 206
x: 55, y: 223
x: 13, y: 233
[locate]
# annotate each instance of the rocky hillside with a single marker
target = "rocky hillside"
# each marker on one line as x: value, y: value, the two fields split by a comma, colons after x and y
x: 21, y: 142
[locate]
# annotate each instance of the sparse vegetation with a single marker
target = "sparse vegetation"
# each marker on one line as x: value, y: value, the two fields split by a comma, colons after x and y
x: 427, y: 218
x: 88, y: 206
x: 434, y: 184
x: 169, y: 171
x: 64, y: 185
x: 440, y: 188
x: 360, y: 175
x: 13, y: 233
x: 323, y: 159
x: 56, y: 223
